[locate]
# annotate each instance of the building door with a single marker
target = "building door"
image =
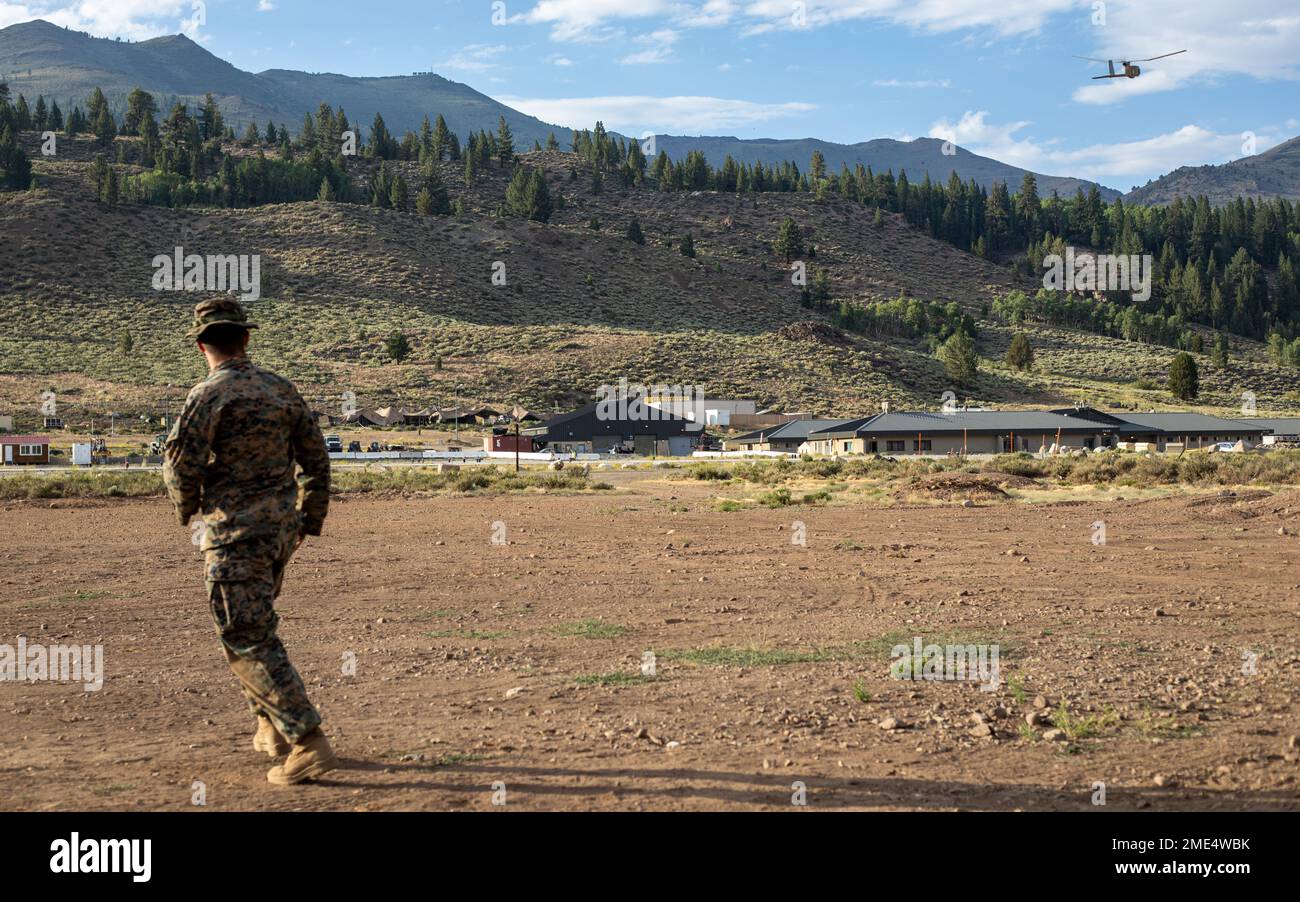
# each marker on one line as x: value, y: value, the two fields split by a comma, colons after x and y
x: 9, y: 454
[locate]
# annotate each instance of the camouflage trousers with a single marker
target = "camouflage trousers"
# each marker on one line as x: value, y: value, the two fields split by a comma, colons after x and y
x: 243, y: 582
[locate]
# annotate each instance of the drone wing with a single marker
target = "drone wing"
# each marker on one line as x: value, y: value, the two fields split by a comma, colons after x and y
x: 1091, y: 59
x: 1162, y: 56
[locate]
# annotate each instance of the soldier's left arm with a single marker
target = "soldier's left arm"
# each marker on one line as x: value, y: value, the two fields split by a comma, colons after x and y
x: 310, y: 453
x: 185, y: 456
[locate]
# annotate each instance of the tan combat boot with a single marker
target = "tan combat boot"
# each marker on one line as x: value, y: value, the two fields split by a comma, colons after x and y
x: 269, y: 740
x: 309, y: 758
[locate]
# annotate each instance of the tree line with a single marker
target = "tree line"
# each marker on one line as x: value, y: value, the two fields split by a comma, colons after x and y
x: 1230, y: 268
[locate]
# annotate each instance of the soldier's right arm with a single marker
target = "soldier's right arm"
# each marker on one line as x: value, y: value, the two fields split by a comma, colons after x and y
x: 185, y: 456
x: 310, y: 453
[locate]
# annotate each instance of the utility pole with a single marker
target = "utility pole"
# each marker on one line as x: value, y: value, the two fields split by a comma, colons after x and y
x: 456, y: 413
x: 517, y: 415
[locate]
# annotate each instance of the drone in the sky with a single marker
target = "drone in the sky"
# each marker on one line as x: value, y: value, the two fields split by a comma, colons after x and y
x: 1130, y: 69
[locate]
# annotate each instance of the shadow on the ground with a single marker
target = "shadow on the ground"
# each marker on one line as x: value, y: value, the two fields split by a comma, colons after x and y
x: 774, y: 790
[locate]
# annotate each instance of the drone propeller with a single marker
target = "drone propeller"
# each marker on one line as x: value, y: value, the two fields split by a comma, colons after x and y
x: 1162, y: 56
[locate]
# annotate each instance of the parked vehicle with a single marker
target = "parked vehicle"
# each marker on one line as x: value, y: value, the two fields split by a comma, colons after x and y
x: 333, y: 444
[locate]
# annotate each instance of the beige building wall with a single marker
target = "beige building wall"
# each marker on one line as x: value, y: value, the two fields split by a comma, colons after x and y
x: 893, y: 444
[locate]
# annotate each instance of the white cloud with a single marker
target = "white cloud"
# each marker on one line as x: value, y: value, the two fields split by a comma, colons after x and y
x: 13, y: 13
x: 1257, y: 38
x: 265, y: 6
x: 473, y: 58
x: 928, y: 83
x: 134, y: 19
x: 585, y: 20
x: 659, y: 48
x: 675, y: 115
x: 561, y: 61
x: 709, y: 14
x: 572, y: 20
x: 1117, y: 164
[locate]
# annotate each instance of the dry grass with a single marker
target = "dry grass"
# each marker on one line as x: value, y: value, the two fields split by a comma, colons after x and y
x: 581, y: 308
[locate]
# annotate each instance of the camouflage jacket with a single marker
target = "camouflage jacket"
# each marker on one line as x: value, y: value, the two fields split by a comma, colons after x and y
x: 233, y: 452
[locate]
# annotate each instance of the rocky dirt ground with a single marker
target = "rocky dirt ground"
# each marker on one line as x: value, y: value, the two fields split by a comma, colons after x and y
x: 1172, y: 649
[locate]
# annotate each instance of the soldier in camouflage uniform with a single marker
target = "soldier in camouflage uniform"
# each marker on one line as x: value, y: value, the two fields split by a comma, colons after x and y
x: 232, y: 456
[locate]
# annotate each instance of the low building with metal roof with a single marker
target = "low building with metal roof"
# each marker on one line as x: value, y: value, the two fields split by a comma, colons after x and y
x: 1189, y: 430
x: 787, y: 437
x: 589, y: 431
x: 1276, y: 429
x: 960, y: 432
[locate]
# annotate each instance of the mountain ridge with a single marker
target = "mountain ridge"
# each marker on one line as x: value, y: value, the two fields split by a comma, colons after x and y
x: 67, y: 65
x: 1273, y: 173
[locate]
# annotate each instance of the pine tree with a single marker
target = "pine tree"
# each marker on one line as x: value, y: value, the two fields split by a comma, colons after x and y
x: 1184, y: 380
x: 529, y: 196
x: 382, y: 190
x: 139, y: 106
x: 1020, y: 355
x: 634, y: 233
x: 105, y: 127
x: 789, y: 240
x: 688, y: 245
x: 211, y: 125
x: 382, y: 144
x: 112, y: 189
x: 17, y: 168
x: 400, y: 194
x: 424, y: 202
x: 817, y: 168
x: 22, y: 115
x: 98, y: 175
x: 505, y: 143
x: 959, y: 357
x: 820, y: 291
x: 307, y: 134
x: 1219, y: 353
x: 438, y: 201
x: 438, y: 145
x: 326, y: 192
x: 397, y: 347
x: 1029, y: 208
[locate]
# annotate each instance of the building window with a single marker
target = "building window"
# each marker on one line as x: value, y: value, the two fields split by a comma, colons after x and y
x: 848, y: 446
x: 926, y: 445
x: 896, y: 447
x: 30, y: 450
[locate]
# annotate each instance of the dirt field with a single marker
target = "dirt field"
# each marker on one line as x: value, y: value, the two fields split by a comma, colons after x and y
x: 1173, y: 648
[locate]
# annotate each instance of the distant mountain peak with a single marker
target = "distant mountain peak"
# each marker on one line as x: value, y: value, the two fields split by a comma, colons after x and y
x: 1273, y: 173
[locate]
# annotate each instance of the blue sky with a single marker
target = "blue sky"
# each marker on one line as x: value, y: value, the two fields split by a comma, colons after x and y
x: 996, y: 77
